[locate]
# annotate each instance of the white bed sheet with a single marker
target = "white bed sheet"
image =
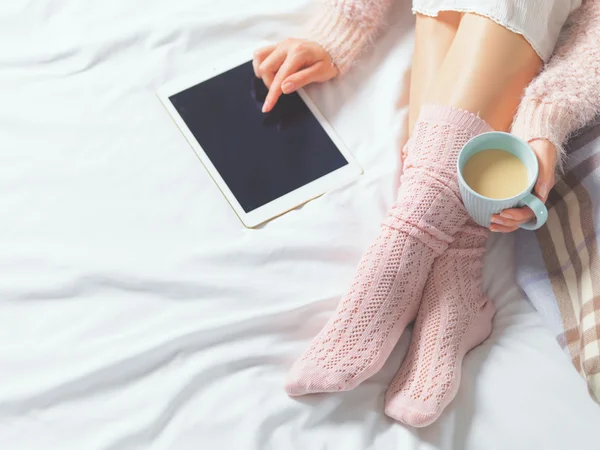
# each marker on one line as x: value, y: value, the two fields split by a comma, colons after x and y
x: 135, y: 310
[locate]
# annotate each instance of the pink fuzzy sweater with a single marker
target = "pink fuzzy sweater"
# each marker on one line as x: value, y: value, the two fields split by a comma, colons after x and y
x: 564, y: 97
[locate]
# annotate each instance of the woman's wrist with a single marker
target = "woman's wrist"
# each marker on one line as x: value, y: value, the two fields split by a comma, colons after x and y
x: 343, y: 36
x: 340, y: 38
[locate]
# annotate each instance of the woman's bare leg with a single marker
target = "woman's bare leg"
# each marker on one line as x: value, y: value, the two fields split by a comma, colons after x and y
x: 433, y: 38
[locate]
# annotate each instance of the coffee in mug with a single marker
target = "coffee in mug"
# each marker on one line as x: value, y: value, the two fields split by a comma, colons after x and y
x: 496, y: 174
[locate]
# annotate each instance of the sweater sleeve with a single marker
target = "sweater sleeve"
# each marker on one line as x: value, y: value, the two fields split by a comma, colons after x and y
x: 345, y: 27
x: 565, y: 96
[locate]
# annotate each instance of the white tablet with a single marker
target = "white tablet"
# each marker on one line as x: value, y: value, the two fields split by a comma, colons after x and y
x: 265, y: 164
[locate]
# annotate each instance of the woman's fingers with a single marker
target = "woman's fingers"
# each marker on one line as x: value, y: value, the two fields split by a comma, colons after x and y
x: 512, y: 218
x: 259, y: 56
x: 292, y: 64
x: 269, y: 67
x: 502, y: 228
x: 291, y: 77
x: 511, y: 223
x: 317, y: 73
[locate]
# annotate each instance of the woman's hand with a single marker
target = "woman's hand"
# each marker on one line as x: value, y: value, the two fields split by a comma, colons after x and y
x: 510, y: 219
x: 290, y: 65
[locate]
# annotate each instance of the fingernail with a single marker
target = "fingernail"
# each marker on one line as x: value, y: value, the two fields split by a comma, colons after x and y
x: 506, y: 215
x: 287, y: 87
x: 497, y: 220
x: 266, y: 106
x: 493, y: 230
x: 543, y: 190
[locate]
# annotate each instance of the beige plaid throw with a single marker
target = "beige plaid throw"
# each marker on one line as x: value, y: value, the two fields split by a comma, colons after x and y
x: 559, y: 266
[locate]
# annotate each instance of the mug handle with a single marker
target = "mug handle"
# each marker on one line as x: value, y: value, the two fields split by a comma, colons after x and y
x: 539, y: 209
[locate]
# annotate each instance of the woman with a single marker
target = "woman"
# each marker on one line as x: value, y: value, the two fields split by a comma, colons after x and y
x: 469, y: 72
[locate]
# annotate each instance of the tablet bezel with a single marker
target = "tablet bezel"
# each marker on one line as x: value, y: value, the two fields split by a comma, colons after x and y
x: 282, y: 204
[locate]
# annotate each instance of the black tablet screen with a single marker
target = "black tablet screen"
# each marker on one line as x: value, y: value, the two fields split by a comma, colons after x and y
x: 260, y: 156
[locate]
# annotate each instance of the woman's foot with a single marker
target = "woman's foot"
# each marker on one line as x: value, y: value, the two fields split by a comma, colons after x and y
x: 454, y: 317
x: 369, y: 320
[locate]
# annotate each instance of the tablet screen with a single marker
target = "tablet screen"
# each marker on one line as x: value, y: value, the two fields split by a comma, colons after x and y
x: 261, y: 157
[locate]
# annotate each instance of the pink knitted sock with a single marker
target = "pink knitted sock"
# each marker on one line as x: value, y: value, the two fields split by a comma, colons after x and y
x: 388, y: 284
x: 454, y: 317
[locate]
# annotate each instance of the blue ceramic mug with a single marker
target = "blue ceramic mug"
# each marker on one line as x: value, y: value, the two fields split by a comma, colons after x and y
x: 483, y: 208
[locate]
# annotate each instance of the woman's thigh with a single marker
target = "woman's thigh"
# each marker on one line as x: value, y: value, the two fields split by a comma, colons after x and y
x: 485, y: 70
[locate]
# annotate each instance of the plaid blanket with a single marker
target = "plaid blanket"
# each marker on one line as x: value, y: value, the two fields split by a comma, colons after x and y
x: 558, y: 267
